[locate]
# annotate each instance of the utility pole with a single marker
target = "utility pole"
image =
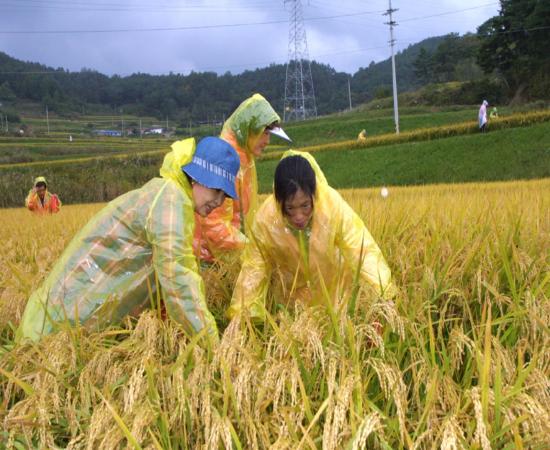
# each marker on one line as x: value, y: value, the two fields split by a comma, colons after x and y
x: 167, y: 124
x: 349, y: 94
x: 299, y: 102
x: 47, y: 120
x: 392, y: 24
x: 140, y: 129
x: 121, y: 124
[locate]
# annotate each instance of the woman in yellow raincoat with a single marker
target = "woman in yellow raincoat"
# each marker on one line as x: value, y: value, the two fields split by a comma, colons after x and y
x: 40, y: 200
x: 248, y: 130
x: 108, y: 270
x: 306, y: 237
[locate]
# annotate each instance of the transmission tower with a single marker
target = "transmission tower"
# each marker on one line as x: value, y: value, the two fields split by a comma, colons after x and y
x: 392, y: 24
x: 299, y: 101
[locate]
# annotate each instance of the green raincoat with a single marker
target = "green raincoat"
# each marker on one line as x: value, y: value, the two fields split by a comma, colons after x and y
x: 106, y: 271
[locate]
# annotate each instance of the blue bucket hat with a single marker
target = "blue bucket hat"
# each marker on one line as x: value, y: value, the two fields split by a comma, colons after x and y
x: 215, y: 165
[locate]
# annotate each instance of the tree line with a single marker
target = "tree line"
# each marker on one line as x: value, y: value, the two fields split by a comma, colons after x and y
x: 507, y: 58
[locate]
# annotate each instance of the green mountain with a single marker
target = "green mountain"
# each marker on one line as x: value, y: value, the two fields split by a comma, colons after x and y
x: 207, y: 96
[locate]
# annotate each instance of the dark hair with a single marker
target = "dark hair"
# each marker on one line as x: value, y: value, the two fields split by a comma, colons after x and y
x: 293, y: 173
x: 40, y: 184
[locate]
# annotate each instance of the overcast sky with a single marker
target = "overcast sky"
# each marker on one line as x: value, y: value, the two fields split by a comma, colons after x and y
x: 128, y: 36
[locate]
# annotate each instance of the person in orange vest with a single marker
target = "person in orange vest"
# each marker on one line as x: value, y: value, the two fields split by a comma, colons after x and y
x: 248, y: 130
x: 40, y: 200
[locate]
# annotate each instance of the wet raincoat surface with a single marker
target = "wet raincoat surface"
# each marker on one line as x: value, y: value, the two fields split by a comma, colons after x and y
x: 108, y: 268
x: 50, y: 204
x: 482, y: 115
x: 331, y: 249
x: 225, y: 228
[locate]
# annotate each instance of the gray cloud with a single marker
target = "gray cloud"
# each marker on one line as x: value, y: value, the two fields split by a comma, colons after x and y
x: 346, y: 43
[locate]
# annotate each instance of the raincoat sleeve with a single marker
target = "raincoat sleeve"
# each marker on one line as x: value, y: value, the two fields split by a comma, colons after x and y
x: 219, y: 231
x: 170, y: 227
x: 253, y: 281
x: 30, y: 201
x: 356, y: 244
x: 55, y: 204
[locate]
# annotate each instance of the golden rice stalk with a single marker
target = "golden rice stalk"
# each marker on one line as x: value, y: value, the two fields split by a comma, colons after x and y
x: 372, y: 423
x: 481, y: 429
x: 452, y: 435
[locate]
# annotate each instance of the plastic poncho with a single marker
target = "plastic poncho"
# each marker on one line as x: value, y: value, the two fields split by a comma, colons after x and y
x: 296, y: 260
x: 482, y: 115
x: 49, y: 205
x: 108, y: 268
x: 225, y: 228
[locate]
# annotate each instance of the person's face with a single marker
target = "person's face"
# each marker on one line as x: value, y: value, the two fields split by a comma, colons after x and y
x: 41, y: 190
x: 298, y: 209
x: 206, y: 199
x: 261, y: 142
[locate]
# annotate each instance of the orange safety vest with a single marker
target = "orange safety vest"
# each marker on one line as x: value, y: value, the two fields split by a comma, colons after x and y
x: 50, y: 205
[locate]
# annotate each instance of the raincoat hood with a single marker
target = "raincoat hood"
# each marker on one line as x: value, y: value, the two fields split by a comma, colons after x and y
x: 320, y: 179
x: 40, y: 180
x: 250, y: 119
x: 181, y: 154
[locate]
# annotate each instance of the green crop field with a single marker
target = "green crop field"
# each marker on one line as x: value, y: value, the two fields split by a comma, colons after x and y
x: 516, y: 147
x: 516, y: 153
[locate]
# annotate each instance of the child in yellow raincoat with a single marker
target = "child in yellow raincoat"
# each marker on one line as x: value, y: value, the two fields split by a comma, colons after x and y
x: 110, y: 266
x: 303, y: 232
x: 248, y: 130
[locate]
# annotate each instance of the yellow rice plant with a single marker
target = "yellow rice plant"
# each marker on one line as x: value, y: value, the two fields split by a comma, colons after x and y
x: 463, y: 361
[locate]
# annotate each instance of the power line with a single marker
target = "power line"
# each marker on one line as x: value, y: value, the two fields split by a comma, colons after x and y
x: 126, y: 8
x: 341, y: 52
x: 203, y: 69
x: 448, y: 12
x: 192, y: 27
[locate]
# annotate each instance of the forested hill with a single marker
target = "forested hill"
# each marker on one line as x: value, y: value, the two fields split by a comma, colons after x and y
x: 197, y: 96
x: 376, y: 79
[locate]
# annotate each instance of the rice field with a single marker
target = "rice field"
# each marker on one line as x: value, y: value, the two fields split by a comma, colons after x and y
x: 463, y: 360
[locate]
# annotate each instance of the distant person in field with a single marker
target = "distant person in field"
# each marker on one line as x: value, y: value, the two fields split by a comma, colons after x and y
x: 110, y: 268
x: 362, y: 136
x: 494, y: 113
x: 304, y: 236
x: 40, y: 200
x: 482, y: 116
x: 248, y: 130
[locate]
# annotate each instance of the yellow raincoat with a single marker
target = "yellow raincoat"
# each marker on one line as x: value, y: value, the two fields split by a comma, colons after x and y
x: 331, y: 248
x: 106, y: 271
x: 225, y: 228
